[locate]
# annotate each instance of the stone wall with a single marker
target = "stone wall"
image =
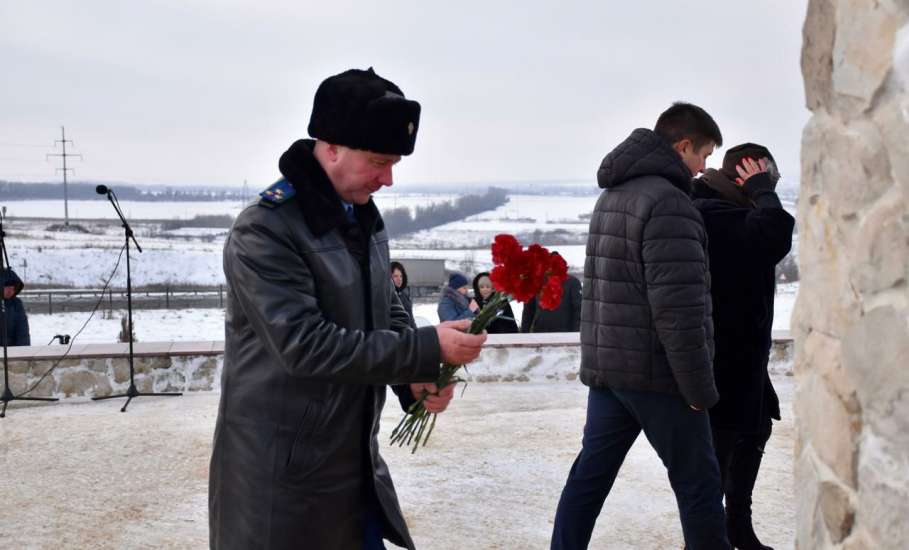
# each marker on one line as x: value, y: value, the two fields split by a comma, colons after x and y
x: 851, y: 321
x: 98, y: 370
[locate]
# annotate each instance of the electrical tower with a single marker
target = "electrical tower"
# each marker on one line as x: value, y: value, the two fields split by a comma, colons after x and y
x: 64, y: 155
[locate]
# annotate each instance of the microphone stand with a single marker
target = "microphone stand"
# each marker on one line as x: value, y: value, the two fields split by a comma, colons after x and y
x: 7, y: 395
x: 131, y: 392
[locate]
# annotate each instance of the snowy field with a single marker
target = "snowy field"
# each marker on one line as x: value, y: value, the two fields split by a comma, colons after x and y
x: 164, y: 325
x: 192, y: 256
x: 100, y: 208
x: 83, y: 475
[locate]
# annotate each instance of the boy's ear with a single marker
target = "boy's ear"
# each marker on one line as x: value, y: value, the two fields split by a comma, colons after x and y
x: 682, y: 145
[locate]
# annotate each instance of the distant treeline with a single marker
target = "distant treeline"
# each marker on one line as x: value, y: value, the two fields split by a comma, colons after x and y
x: 399, y: 221
x: 86, y: 191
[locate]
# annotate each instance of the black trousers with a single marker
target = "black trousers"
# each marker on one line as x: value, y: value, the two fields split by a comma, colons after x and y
x: 680, y: 436
x: 739, y: 455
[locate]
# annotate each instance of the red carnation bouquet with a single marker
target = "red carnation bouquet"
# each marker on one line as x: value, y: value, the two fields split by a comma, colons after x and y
x: 518, y: 274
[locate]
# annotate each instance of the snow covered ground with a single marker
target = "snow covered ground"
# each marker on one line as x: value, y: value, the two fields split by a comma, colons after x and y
x: 83, y: 475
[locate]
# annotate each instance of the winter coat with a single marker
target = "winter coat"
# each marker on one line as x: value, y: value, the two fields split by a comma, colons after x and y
x: 17, y: 333
x: 313, y: 333
x: 454, y: 306
x: 745, y: 244
x: 404, y: 292
x: 505, y: 322
x: 565, y: 318
x: 646, y: 313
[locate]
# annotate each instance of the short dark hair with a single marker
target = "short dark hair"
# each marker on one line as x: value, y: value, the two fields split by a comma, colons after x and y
x: 687, y: 121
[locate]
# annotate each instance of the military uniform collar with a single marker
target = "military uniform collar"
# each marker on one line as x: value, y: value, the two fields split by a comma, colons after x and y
x: 316, y: 196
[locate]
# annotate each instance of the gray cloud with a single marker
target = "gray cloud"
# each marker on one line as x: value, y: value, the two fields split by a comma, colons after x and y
x: 211, y: 92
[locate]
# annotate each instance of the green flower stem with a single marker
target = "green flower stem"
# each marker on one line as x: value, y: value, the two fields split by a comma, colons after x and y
x: 412, y: 425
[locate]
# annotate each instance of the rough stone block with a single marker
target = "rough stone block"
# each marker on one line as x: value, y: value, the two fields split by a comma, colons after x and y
x: 83, y: 382
x: 827, y: 426
x: 883, y: 496
x: 96, y: 365
x: 875, y: 354
x: 864, y: 30
x: 818, y: 34
x: 837, y: 510
x: 882, y: 246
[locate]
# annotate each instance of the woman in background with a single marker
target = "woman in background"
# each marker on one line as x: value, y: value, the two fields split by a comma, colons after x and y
x: 399, y: 277
x: 454, y: 303
x: 483, y: 292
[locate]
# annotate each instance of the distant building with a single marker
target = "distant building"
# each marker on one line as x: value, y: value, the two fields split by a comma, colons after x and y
x: 424, y: 275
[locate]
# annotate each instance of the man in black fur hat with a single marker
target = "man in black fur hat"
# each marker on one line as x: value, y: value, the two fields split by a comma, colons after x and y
x: 748, y: 233
x: 315, y: 331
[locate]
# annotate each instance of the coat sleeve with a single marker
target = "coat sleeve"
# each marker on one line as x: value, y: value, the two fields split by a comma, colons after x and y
x: 677, y: 282
x: 401, y: 320
x: 449, y: 311
x: 575, y: 297
x: 528, y: 314
x: 276, y: 290
x: 768, y: 228
x: 23, y: 337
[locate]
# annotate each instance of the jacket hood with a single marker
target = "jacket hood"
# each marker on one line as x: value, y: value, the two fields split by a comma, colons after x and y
x: 455, y: 296
x: 316, y: 195
x: 399, y: 266
x: 10, y: 278
x: 644, y: 153
x: 715, y: 184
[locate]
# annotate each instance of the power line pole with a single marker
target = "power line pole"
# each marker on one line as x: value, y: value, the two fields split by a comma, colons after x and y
x: 64, y: 155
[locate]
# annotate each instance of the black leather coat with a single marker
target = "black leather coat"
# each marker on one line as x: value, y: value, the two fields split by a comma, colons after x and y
x: 309, y: 348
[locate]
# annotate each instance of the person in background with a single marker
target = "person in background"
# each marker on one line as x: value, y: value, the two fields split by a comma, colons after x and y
x: 748, y: 233
x: 455, y: 304
x: 399, y: 278
x: 647, y: 331
x: 16, y: 318
x: 482, y: 292
x: 565, y: 318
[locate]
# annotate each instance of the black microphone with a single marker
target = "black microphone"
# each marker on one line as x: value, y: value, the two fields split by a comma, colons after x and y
x: 102, y: 189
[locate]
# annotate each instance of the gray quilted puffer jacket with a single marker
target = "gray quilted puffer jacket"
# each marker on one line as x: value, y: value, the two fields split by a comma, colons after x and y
x: 646, y: 311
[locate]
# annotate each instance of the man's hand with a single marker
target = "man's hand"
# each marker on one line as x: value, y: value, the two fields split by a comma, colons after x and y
x: 749, y: 167
x: 436, y: 401
x: 458, y: 347
x: 473, y: 305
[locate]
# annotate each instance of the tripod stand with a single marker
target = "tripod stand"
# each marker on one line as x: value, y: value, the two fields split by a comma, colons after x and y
x: 7, y: 395
x: 131, y: 392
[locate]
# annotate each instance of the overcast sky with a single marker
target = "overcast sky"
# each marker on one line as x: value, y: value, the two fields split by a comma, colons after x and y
x: 213, y: 91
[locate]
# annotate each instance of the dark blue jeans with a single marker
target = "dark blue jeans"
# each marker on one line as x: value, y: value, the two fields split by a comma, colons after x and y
x: 680, y: 436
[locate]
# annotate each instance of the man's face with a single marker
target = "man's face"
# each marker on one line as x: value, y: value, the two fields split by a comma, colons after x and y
x: 397, y: 277
x: 695, y: 158
x: 463, y: 290
x: 357, y: 174
x: 8, y: 292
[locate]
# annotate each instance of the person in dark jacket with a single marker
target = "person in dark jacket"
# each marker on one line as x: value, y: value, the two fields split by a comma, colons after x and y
x: 748, y: 233
x: 565, y: 318
x: 17, y: 333
x: 455, y: 304
x: 399, y: 278
x: 482, y: 292
x: 314, y: 332
x: 646, y: 330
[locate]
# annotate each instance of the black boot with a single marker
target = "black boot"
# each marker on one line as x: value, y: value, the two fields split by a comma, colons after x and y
x: 741, y: 533
x: 740, y: 479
